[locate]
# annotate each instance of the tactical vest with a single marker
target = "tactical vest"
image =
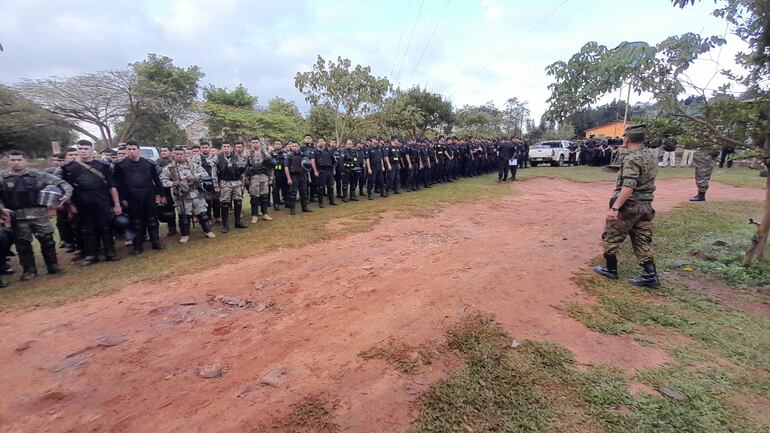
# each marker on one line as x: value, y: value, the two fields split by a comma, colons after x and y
x: 295, y: 162
x: 323, y: 158
x: 225, y: 171
x: 279, y: 156
x: 20, y: 192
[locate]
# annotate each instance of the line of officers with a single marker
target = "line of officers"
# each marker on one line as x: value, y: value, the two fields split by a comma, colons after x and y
x: 125, y: 196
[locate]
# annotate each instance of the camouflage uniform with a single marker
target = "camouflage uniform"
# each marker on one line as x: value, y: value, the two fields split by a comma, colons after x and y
x: 704, y: 165
x: 19, y: 192
x: 258, y: 181
x: 635, y: 217
x: 187, y: 197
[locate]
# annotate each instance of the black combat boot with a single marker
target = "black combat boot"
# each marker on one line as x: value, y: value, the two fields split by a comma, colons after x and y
x: 369, y: 195
x: 611, y: 271
x: 205, y: 222
x: 108, y: 242
x: 255, y: 202
x: 701, y: 196
x: 48, y: 249
x: 26, y: 260
x: 237, y: 210
x: 153, y: 230
x: 225, y: 219
x: 649, y: 278
x: 345, y: 193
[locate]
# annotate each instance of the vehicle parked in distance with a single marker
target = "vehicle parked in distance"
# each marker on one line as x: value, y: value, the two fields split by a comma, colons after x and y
x: 554, y: 152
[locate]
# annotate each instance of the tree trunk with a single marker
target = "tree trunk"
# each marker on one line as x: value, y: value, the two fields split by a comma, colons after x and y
x: 759, y: 240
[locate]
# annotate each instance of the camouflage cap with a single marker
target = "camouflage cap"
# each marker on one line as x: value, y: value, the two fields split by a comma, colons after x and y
x: 635, y: 129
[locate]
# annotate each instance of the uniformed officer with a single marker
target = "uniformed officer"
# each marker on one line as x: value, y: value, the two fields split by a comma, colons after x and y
x: 631, y: 211
x: 703, y: 160
x: 259, y: 174
x: 307, y: 150
x: 280, y: 187
x: 184, y: 178
x: 19, y: 194
x: 351, y: 170
x: 207, y: 160
x: 140, y: 191
x: 375, y: 166
x: 296, y: 177
x: 392, y: 159
x: 337, y: 153
x: 94, y: 200
x: 227, y: 172
x: 322, y: 160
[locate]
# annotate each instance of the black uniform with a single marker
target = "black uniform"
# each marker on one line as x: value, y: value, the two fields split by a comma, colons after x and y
x: 394, y: 174
x: 507, y: 150
x: 138, y: 184
x: 375, y: 182
x: 350, y: 172
x: 280, y: 187
x: 293, y: 161
x: 324, y: 163
x: 93, y: 201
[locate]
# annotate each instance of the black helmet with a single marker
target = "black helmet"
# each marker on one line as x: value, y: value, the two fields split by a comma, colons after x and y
x: 207, y: 183
x: 306, y: 163
x: 269, y: 163
x: 166, y: 213
x: 122, y: 225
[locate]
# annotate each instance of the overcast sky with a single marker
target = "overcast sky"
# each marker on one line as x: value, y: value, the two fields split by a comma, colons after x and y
x: 482, y: 49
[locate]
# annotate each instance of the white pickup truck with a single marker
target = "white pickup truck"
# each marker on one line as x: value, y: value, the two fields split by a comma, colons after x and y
x: 554, y: 152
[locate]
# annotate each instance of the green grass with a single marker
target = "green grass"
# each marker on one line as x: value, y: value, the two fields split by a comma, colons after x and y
x: 741, y: 177
x: 537, y: 387
x: 199, y: 254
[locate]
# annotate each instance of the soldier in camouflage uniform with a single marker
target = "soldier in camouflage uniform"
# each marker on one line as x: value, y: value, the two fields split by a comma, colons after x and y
x: 227, y: 172
x: 19, y: 192
x: 631, y: 211
x: 259, y: 176
x: 703, y: 160
x: 183, y: 177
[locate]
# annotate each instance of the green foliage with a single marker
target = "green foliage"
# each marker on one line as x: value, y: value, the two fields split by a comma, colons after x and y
x: 238, y: 97
x: 415, y: 111
x: 350, y: 92
x: 480, y: 121
x: 162, y: 94
x: 233, y: 123
x: 25, y: 126
x: 320, y: 121
x: 515, y: 115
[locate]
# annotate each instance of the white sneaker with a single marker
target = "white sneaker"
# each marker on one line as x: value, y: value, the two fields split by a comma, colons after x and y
x: 184, y: 239
x: 254, y: 219
x: 267, y: 217
x: 210, y: 235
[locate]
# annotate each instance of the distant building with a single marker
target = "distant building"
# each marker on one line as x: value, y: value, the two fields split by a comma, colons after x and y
x: 609, y: 130
x: 197, y: 130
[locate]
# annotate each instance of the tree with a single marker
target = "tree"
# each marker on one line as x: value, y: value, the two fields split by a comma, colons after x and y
x: 238, y: 97
x: 712, y: 117
x: 480, y: 120
x: 415, y: 111
x: 26, y: 126
x: 515, y: 115
x: 321, y: 121
x: 350, y: 92
x: 153, y: 87
x: 160, y: 96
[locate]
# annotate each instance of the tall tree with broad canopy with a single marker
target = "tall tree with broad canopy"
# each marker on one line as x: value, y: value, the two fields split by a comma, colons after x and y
x: 350, y: 92
x: 713, y: 117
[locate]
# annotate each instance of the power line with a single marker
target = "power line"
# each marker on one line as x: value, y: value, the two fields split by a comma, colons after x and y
x: 430, y: 39
x: 522, y: 36
x: 548, y: 15
x: 400, y: 37
x: 409, y: 42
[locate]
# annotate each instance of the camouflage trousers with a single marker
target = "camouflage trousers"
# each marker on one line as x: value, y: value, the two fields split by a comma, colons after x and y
x: 230, y: 190
x: 191, y: 206
x: 258, y: 185
x: 635, y: 221
x: 39, y: 227
x: 704, y: 165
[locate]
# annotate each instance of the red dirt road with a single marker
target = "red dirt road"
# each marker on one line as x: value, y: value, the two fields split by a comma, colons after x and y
x: 407, y: 279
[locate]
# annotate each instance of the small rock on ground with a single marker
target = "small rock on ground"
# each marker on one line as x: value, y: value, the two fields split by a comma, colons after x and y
x: 109, y: 341
x: 275, y: 377
x: 213, y: 371
x: 671, y: 393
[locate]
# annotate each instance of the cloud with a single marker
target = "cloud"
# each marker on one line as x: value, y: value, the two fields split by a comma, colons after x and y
x: 263, y: 44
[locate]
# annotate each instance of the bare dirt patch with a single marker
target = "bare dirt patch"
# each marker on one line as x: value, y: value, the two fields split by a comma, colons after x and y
x: 326, y: 303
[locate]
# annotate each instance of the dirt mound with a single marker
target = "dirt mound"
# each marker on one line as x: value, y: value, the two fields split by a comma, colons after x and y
x: 239, y: 346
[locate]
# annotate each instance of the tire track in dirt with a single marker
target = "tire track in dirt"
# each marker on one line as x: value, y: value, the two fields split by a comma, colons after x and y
x: 325, y: 303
